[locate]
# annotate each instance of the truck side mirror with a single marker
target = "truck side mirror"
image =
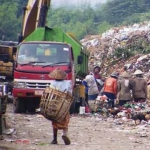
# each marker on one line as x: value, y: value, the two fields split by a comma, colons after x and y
x: 80, y: 59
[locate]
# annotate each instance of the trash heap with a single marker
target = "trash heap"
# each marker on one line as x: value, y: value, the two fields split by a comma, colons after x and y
x: 133, y: 111
x: 119, y: 46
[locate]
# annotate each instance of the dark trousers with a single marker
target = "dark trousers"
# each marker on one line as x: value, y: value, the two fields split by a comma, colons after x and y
x: 111, y: 103
x: 111, y: 98
x: 139, y: 100
x: 86, y: 98
x: 122, y: 102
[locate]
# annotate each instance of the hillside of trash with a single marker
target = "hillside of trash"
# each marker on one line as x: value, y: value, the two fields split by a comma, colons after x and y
x: 119, y: 47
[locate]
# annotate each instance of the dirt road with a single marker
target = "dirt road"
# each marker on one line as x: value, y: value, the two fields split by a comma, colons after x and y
x: 34, y: 132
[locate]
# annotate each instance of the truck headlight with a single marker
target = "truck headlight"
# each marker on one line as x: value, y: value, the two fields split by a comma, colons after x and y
x: 19, y: 85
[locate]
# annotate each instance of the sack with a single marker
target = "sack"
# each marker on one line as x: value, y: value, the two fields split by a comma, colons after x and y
x: 87, y: 109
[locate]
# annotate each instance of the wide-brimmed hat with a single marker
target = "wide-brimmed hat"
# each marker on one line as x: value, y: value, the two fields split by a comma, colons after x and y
x: 138, y: 72
x: 115, y: 74
x: 58, y: 74
x: 125, y: 75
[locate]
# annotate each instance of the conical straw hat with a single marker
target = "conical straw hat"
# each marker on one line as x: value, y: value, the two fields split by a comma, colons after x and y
x: 138, y: 72
x: 58, y: 74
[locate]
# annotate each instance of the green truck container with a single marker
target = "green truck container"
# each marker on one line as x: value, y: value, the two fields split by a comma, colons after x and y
x: 57, y: 35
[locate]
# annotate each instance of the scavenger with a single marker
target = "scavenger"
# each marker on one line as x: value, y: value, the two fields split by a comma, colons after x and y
x: 60, y: 83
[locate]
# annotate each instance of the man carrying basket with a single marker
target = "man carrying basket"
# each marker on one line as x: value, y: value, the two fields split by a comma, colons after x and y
x: 60, y: 84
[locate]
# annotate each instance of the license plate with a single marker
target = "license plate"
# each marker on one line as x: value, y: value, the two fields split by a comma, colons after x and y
x: 38, y: 92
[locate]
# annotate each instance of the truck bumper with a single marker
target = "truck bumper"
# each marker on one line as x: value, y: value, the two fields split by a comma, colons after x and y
x: 27, y: 92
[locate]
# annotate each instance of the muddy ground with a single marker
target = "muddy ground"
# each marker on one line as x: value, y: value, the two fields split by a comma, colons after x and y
x: 90, y: 132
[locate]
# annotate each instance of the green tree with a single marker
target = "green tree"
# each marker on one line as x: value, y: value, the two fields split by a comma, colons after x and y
x: 104, y: 26
x: 9, y: 21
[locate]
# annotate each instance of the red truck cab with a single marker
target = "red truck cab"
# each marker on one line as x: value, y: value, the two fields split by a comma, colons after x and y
x: 34, y: 62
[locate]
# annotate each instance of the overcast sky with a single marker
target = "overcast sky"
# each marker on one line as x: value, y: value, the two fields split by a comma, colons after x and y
x: 59, y: 3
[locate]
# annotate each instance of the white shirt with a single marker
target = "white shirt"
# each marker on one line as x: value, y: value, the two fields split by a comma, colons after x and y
x: 63, y: 86
x: 92, y: 86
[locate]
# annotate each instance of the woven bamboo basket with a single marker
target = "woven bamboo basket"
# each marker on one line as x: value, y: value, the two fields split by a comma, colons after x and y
x: 55, y: 104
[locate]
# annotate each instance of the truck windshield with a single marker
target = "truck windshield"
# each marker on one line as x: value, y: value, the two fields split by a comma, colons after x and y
x: 44, y: 53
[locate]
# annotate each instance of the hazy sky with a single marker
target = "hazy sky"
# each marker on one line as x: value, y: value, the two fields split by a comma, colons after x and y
x: 59, y: 3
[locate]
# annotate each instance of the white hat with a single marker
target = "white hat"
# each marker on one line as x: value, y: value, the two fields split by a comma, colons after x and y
x: 138, y: 72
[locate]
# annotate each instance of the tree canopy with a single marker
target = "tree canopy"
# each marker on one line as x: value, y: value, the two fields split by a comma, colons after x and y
x: 81, y: 20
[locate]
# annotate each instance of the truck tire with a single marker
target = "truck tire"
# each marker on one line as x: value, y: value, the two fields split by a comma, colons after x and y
x: 31, y: 109
x: 19, y: 105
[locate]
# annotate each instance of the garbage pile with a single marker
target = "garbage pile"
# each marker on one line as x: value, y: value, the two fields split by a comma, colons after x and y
x: 132, y: 111
x: 116, y: 45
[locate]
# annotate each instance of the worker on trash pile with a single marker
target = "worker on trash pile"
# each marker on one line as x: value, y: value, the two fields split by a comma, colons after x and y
x: 124, y: 88
x: 110, y: 88
x: 98, y: 78
x: 139, y: 87
x: 92, y: 91
x: 96, y: 72
x: 59, y: 83
x: 124, y: 69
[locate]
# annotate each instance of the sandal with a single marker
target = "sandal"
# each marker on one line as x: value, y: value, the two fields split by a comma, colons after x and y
x: 54, y: 142
x: 66, y: 140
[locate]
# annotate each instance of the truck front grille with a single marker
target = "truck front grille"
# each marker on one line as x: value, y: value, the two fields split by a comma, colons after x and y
x: 31, y: 85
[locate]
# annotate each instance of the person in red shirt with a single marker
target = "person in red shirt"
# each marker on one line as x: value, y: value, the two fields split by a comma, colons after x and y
x: 96, y: 72
x: 110, y: 88
x: 98, y: 78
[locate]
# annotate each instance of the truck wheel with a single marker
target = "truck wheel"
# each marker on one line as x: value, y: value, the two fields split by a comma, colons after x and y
x: 19, y: 105
x: 31, y: 109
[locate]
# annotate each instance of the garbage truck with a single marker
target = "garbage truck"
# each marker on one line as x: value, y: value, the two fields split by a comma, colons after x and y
x: 41, y: 50
x: 7, y: 54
